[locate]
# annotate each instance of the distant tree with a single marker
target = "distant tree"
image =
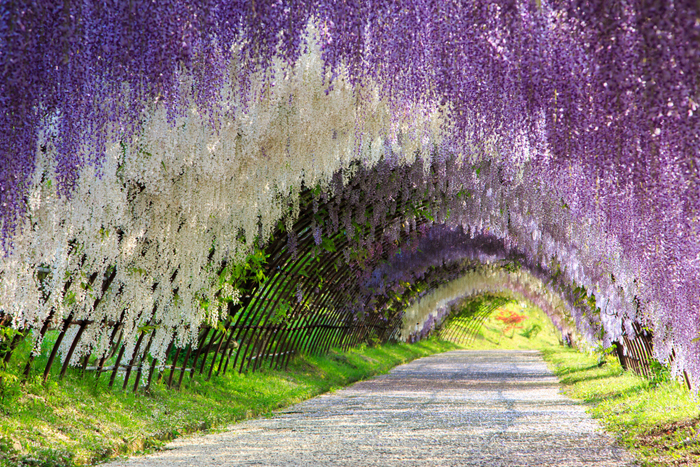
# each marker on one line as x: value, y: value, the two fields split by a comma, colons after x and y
x: 510, y: 321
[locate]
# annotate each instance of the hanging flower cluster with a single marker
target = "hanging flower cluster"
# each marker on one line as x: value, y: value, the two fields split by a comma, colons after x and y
x: 145, y: 146
x: 462, y: 264
x: 432, y: 310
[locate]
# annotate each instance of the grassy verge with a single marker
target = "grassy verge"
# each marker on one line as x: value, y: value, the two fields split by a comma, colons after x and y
x: 534, y: 331
x: 75, y: 421
x: 658, y: 420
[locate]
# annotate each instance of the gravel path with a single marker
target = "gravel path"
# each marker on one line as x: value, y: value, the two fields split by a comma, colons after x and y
x: 486, y: 408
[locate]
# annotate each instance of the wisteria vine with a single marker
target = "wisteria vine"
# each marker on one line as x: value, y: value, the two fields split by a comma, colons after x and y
x: 144, y: 144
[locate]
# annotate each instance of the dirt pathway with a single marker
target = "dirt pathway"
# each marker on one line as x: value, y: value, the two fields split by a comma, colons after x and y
x: 485, y: 408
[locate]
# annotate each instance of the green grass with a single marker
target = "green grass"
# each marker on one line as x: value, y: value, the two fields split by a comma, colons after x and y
x: 656, y: 420
x: 75, y: 421
x: 534, y: 332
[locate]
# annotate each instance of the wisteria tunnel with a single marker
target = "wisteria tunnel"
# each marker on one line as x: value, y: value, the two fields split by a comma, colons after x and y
x: 200, y: 187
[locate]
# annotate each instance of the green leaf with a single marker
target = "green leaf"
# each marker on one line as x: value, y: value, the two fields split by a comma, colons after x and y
x: 220, y: 327
x: 148, y: 328
x: 328, y: 245
x: 69, y: 299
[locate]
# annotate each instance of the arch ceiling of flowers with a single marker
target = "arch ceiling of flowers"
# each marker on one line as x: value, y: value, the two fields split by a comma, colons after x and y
x: 148, y: 147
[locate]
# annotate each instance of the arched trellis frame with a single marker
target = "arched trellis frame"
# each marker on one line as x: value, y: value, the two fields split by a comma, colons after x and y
x: 463, y: 326
x: 546, y: 90
x: 309, y: 293
x: 306, y: 296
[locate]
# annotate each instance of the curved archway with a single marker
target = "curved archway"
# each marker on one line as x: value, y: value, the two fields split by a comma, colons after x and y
x: 238, y: 195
